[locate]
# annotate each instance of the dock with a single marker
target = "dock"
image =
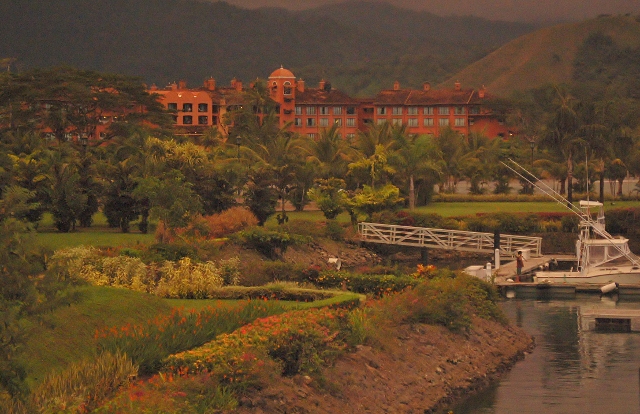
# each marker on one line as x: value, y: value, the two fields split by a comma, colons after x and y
x: 609, y: 320
x: 505, y: 276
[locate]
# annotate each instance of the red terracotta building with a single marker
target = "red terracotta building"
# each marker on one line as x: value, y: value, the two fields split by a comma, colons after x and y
x: 310, y: 110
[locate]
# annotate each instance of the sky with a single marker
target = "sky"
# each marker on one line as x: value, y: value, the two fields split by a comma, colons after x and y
x: 508, y: 10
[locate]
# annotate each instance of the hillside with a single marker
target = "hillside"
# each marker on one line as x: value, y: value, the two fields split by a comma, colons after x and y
x: 544, y: 56
x: 358, y: 46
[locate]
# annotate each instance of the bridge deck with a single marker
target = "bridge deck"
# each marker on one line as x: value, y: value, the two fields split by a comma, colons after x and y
x: 458, y: 240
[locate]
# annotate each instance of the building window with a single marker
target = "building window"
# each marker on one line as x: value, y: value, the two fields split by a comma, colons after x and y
x: 428, y: 122
x: 311, y: 110
x: 203, y: 107
x: 381, y: 121
x: 412, y: 110
x: 187, y: 120
x: 298, y: 110
x: 382, y: 110
x: 214, y: 109
x: 352, y: 110
x: 287, y: 88
x: 103, y: 135
x: 443, y: 122
x: 172, y: 106
x: 338, y: 121
x: 104, y: 119
x: 396, y: 121
x: 459, y: 122
x: 187, y: 107
x: 311, y: 135
x: 311, y: 122
x: 351, y: 135
x: 337, y: 110
x: 324, y: 122
x: 412, y: 122
x: 203, y: 120
x: 324, y: 110
x: 443, y: 110
x: 175, y: 119
x: 297, y: 122
x: 427, y: 110
x: 459, y: 110
x: 475, y: 110
x: 214, y: 120
x: 397, y: 110
x: 351, y: 122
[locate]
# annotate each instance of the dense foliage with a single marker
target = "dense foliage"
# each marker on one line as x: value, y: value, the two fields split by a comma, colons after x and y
x: 389, y: 44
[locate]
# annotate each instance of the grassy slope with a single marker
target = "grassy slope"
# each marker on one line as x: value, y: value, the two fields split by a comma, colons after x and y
x: 544, y: 56
x: 66, y: 335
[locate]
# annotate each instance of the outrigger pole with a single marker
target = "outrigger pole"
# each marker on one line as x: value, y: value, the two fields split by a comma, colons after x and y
x: 557, y: 197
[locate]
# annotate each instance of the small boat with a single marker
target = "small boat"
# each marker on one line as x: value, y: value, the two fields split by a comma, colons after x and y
x: 600, y: 258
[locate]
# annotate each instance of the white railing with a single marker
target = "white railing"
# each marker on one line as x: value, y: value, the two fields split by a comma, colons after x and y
x: 465, y: 241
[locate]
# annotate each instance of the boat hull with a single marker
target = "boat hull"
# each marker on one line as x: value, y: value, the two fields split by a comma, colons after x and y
x: 621, y: 275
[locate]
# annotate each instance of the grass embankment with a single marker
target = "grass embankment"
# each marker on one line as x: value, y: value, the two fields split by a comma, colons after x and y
x: 67, y: 334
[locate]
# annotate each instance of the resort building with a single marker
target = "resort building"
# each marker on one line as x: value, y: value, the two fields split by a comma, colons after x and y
x: 311, y: 110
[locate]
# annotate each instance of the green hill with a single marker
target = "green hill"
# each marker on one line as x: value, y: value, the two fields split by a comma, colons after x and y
x: 358, y: 46
x: 544, y: 56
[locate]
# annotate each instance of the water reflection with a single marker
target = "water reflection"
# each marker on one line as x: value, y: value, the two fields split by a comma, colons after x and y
x: 570, y: 370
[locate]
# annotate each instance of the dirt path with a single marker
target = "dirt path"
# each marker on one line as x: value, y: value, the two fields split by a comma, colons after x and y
x: 417, y: 369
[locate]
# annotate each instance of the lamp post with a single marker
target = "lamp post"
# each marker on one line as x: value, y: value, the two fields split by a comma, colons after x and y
x: 532, y: 144
x: 84, y: 141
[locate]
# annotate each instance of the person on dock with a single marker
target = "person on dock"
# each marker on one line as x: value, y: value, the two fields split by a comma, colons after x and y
x: 519, y: 265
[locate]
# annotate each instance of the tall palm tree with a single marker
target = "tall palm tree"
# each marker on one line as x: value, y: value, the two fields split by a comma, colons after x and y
x: 561, y: 132
x: 416, y: 156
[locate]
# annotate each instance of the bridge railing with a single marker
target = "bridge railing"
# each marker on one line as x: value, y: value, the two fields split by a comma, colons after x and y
x: 469, y: 241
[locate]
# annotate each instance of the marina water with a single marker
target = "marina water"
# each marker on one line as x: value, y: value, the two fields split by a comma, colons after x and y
x: 570, y: 370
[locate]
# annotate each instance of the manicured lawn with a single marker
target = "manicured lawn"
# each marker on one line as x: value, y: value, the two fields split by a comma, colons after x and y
x: 102, y: 235
x: 453, y: 209
x: 67, y: 334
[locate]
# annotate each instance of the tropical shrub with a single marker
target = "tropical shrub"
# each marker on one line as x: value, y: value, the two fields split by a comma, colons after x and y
x: 269, y: 243
x: 189, y: 280
x: 84, y: 385
x: 179, y: 331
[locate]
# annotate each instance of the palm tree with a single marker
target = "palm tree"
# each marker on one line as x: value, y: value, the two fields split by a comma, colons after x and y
x: 561, y: 132
x: 330, y: 153
x: 416, y: 155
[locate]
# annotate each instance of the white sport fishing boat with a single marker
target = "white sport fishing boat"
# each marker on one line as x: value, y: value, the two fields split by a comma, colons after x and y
x: 601, y: 259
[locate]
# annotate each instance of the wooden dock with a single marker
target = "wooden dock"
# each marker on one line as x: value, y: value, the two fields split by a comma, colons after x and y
x: 609, y: 320
x: 505, y: 278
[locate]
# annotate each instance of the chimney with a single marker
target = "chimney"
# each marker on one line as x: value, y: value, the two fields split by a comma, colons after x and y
x: 210, y: 84
x: 482, y: 92
x: 457, y: 86
x: 239, y: 85
x: 396, y: 86
x: 300, y: 85
x: 173, y: 86
x: 153, y: 87
x: 321, y: 84
x: 182, y: 84
x: 426, y: 86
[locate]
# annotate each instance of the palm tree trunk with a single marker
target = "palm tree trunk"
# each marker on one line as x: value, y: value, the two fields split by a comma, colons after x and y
x: 412, y: 193
x: 569, y: 180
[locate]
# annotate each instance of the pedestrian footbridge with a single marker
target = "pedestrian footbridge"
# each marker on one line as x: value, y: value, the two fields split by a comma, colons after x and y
x: 458, y: 240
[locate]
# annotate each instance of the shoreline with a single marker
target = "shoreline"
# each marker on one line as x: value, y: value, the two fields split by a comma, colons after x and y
x: 415, y: 369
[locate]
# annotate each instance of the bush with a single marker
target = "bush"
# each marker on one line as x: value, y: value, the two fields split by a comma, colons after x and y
x: 222, y: 224
x: 160, y: 252
x: 188, y: 280
x: 376, y: 285
x: 334, y: 230
x: 570, y: 224
x: 269, y: 243
x: 84, y: 385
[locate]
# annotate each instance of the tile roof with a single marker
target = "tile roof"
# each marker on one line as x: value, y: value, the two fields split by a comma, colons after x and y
x: 323, y: 96
x: 430, y: 97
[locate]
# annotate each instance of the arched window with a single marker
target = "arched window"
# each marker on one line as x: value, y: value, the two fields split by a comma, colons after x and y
x: 287, y: 88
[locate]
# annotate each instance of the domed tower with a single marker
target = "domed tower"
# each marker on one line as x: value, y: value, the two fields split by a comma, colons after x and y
x: 282, y: 87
